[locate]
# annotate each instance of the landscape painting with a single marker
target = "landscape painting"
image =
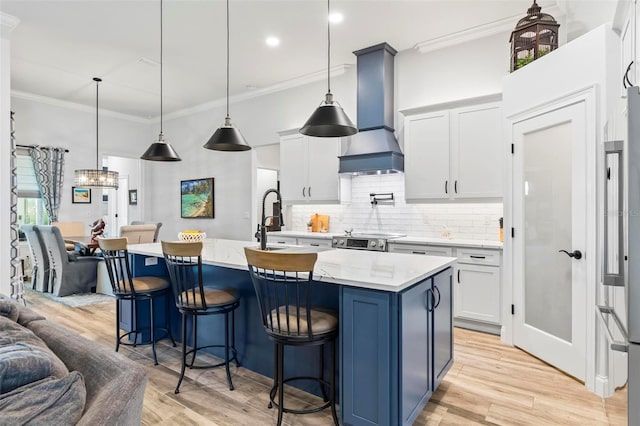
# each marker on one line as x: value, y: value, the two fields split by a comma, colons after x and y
x: 196, y: 198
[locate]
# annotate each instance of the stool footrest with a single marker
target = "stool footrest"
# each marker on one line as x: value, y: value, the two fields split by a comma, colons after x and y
x: 311, y: 410
x: 223, y: 362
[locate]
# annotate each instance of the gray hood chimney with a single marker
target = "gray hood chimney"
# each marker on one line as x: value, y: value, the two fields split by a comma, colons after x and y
x: 374, y: 149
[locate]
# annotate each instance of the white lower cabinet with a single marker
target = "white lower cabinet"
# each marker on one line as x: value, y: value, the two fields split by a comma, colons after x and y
x: 314, y: 242
x: 477, y: 290
x: 476, y: 283
x: 299, y: 241
x: 281, y: 240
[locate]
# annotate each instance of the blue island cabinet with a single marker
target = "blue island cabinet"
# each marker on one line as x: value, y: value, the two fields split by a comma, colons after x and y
x: 400, y: 346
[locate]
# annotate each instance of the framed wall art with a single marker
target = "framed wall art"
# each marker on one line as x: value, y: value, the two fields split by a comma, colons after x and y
x: 133, y: 197
x: 196, y: 198
x: 80, y: 195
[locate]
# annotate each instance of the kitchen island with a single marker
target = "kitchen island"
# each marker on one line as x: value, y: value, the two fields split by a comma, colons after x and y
x: 395, y: 312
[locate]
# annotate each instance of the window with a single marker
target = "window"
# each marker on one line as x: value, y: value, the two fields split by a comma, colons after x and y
x: 30, y: 207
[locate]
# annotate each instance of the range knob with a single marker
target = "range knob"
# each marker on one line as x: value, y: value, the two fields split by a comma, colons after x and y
x: 373, y: 243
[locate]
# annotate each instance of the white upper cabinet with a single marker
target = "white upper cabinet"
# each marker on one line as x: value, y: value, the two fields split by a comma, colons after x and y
x: 477, y: 152
x: 426, y: 156
x: 309, y: 169
x: 454, y: 154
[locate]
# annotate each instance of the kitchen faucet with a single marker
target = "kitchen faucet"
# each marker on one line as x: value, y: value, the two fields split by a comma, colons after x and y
x: 261, y: 234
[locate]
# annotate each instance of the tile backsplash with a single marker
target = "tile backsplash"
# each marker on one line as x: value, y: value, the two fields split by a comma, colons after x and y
x: 477, y: 221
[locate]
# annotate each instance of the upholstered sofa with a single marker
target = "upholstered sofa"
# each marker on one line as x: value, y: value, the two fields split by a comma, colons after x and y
x: 85, y: 384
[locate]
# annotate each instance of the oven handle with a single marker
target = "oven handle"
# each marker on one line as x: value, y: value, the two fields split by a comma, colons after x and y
x: 616, y: 345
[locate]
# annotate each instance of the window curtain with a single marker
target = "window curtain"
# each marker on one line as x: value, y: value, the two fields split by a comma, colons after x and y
x: 17, y: 285
x: 48, y: 163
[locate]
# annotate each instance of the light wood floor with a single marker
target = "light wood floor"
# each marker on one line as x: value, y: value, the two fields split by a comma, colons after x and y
x: 489, y: 383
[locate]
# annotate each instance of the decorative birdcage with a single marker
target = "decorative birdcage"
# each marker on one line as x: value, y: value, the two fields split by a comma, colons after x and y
x: 535, y: 35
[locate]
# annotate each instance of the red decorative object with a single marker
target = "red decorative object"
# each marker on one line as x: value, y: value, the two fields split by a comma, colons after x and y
x: 97, y: 228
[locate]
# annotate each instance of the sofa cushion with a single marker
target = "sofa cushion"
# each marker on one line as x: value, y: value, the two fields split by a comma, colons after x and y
x: 47, y: 402
x: 13, y: 333
x: 20, y: 365
x: 9, y: 309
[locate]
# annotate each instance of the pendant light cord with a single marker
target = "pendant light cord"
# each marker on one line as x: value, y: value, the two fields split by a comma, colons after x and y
x: 328, y: 47
x: 227, y: 58
x: 97, y: 80
x: 160, y: 69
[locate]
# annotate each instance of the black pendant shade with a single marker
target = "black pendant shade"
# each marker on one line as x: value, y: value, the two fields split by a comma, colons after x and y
x: 160, y: 151
x: 227, y: 138
x: 329, y: 120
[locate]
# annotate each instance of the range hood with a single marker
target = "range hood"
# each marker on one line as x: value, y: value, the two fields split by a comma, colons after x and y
x: 374, y: 149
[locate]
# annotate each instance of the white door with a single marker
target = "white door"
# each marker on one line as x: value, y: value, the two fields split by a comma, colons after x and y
x: 550, y: 214
x: 118, y: 207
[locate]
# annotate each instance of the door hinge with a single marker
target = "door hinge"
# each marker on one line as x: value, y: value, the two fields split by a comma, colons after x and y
x: 513, y: 149
x: 513, y: 309
x: 513, y: 232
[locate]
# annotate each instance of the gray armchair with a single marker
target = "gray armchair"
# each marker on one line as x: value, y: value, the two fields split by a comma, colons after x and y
x: 39, y: 258
x: 69, y: 273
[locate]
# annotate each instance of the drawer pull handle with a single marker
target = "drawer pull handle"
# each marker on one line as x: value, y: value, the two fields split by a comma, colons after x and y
x: 314, y: 245
x: 478, y: 257
x: 419, y: 252
x: 458, y: 276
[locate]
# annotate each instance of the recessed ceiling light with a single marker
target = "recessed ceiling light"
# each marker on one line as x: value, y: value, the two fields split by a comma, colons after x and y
x: 336, y: 18
x: 272, y: 41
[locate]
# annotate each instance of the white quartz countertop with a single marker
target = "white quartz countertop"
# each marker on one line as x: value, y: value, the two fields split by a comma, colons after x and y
x: 365, y: 269
x: 451, y: 242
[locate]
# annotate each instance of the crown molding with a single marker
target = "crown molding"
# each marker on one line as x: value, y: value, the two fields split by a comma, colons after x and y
x: 474, y: 33
x: 278, y: 87
x: 75, y: 106
x: 7, y: 24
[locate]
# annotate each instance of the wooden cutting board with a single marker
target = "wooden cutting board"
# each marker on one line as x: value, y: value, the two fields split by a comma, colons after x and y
x: 319, y: 223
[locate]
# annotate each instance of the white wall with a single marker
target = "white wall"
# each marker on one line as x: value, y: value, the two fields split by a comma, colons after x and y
x: 38, y: 123
x: 259, y: 120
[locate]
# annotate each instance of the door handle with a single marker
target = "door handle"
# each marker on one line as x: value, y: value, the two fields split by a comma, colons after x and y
x: 576, y: 254
x: 309, y: 191
x: 446, y: 186
x: 304, y: 188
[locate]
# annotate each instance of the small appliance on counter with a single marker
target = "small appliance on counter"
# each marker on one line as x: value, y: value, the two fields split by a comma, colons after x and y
x: 318, y: 223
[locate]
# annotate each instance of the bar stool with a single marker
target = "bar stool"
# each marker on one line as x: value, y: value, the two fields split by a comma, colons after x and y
x: 134, y: 289
x: 184, y: 262
x: 283, y: 283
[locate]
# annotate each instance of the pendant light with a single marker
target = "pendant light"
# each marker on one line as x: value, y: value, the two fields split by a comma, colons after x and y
x: 160, y: 150
x: 227, y: 137
x: 329, y: 119
x: 98, y: 178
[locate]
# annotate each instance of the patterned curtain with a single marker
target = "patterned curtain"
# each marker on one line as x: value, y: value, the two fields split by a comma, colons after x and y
x: 17, y: 285
x: 48, y: 163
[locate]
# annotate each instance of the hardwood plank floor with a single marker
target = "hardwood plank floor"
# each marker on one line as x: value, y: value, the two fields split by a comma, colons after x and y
x: 489, y: 384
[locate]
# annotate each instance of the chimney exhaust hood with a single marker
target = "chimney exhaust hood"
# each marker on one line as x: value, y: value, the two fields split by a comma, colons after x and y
x: 374, y: 149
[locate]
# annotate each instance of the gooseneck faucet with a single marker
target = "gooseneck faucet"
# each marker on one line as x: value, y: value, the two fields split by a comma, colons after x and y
x: 261, y: 235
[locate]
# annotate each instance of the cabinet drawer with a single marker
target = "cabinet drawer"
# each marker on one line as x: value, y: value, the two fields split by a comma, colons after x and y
x: 281, y: 240
x: 315, y: 242
x: 479, y: 256
x: 421, y: 249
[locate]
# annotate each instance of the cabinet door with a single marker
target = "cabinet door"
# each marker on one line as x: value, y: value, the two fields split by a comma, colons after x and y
x: 323, y: 180
x: 478, y: 293
x: 367, y: 361
x: 415, y: 353
x: 426, y: 156
x: 282, y: 240
x: 477, y: 151
x: 293, y: 168
x: 315, y: 242
x: 628, y: 43
x: 442, y: 326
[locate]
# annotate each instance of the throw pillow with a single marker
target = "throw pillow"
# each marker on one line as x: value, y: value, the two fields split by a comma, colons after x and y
x: 47, y: 402
x: 9, y: 309
x: 20, y: 365
x: 13, y: 333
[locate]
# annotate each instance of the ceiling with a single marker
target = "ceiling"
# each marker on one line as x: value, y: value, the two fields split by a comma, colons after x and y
x: 60, y: 45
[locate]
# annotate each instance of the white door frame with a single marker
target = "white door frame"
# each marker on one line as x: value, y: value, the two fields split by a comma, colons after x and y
x: 588, y: 95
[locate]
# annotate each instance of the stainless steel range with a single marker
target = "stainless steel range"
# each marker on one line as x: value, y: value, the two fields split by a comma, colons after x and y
x: 364, y: 241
